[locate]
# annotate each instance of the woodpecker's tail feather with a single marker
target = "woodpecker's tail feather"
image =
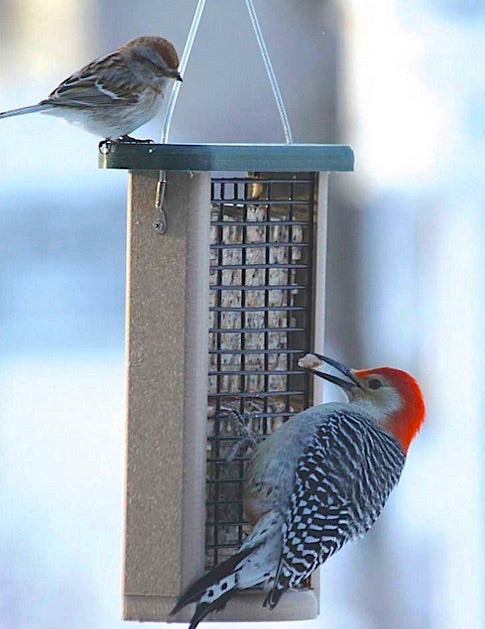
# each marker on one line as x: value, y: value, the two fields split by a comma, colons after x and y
x: 253, y: 566
x: 203, y: 609
x: 25, y: 110
x: 214, y: 585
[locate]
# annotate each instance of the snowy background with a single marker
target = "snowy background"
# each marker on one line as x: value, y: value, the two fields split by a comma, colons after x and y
x: 403, y: 83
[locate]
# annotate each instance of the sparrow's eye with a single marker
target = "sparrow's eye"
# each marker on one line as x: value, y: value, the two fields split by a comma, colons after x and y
x: 375, y: 384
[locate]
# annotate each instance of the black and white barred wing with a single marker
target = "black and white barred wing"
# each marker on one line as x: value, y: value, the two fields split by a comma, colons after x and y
x: 342, y: 483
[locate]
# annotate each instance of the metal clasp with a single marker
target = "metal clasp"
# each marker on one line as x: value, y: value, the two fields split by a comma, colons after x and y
x: 160, y: 222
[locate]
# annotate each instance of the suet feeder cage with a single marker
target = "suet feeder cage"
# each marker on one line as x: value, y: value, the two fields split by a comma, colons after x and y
x: 219, y: 309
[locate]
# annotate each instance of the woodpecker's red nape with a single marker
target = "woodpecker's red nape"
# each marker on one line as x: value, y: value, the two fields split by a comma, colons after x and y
x: 406, y: 422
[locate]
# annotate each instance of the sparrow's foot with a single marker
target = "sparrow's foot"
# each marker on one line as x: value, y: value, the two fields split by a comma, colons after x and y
x: 104, y: 145
x: 127, y: 139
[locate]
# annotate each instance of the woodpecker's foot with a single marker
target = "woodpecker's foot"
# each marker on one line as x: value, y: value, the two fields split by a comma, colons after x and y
x: 245, y: 443
x: 248, y: 440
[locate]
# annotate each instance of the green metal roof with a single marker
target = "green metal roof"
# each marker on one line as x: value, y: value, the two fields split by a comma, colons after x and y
x: 229, y: 157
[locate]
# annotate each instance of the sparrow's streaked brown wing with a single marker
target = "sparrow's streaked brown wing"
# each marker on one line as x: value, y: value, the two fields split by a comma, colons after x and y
x: 106, y: 81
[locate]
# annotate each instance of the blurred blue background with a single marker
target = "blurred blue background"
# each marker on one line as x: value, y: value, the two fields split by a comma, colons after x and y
x: 403, y: 83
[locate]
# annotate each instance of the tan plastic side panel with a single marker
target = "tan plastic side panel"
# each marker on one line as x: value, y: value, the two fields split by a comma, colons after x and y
x: 167, y: 349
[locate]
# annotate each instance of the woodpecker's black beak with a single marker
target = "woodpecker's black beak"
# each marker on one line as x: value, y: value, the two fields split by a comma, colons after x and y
x: 346, y: 371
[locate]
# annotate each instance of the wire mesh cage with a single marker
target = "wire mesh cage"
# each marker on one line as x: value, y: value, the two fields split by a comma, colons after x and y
x: 219, y: 309
x: 261, y: 295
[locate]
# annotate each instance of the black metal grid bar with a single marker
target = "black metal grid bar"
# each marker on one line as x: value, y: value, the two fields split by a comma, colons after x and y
x: 261, y: 320
x: 256, y: 245
x: 244, y: 316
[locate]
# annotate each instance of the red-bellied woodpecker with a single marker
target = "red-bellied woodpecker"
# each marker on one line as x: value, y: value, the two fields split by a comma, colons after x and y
x: 317, y: 482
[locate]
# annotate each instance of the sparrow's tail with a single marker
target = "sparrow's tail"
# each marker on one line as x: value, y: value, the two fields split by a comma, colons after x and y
x: 254, y: 565
x: 25, y: 110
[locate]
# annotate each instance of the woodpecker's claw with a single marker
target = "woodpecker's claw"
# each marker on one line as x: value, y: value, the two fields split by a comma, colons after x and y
x: 247, y: 441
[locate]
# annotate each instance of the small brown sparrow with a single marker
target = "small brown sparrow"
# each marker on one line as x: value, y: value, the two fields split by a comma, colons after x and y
x: 115, y: 94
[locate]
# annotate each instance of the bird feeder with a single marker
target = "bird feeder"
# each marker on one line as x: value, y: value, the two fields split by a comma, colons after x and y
x: 219, y: 309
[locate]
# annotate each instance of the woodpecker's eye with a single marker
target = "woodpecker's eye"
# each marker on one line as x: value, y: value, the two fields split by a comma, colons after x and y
x: 375, y: 384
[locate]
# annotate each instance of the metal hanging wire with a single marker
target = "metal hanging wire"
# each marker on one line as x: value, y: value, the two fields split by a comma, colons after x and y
x: 194, y: 27
x: 160, y: 222
x: 267, y: 64
x: 270, y: 72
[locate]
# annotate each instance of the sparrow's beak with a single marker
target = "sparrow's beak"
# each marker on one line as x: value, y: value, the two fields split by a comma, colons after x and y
x: 177, y: 76
x: 346, y: 371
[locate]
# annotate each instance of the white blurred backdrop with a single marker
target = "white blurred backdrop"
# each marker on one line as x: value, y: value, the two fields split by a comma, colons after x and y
x: 402, y: 81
